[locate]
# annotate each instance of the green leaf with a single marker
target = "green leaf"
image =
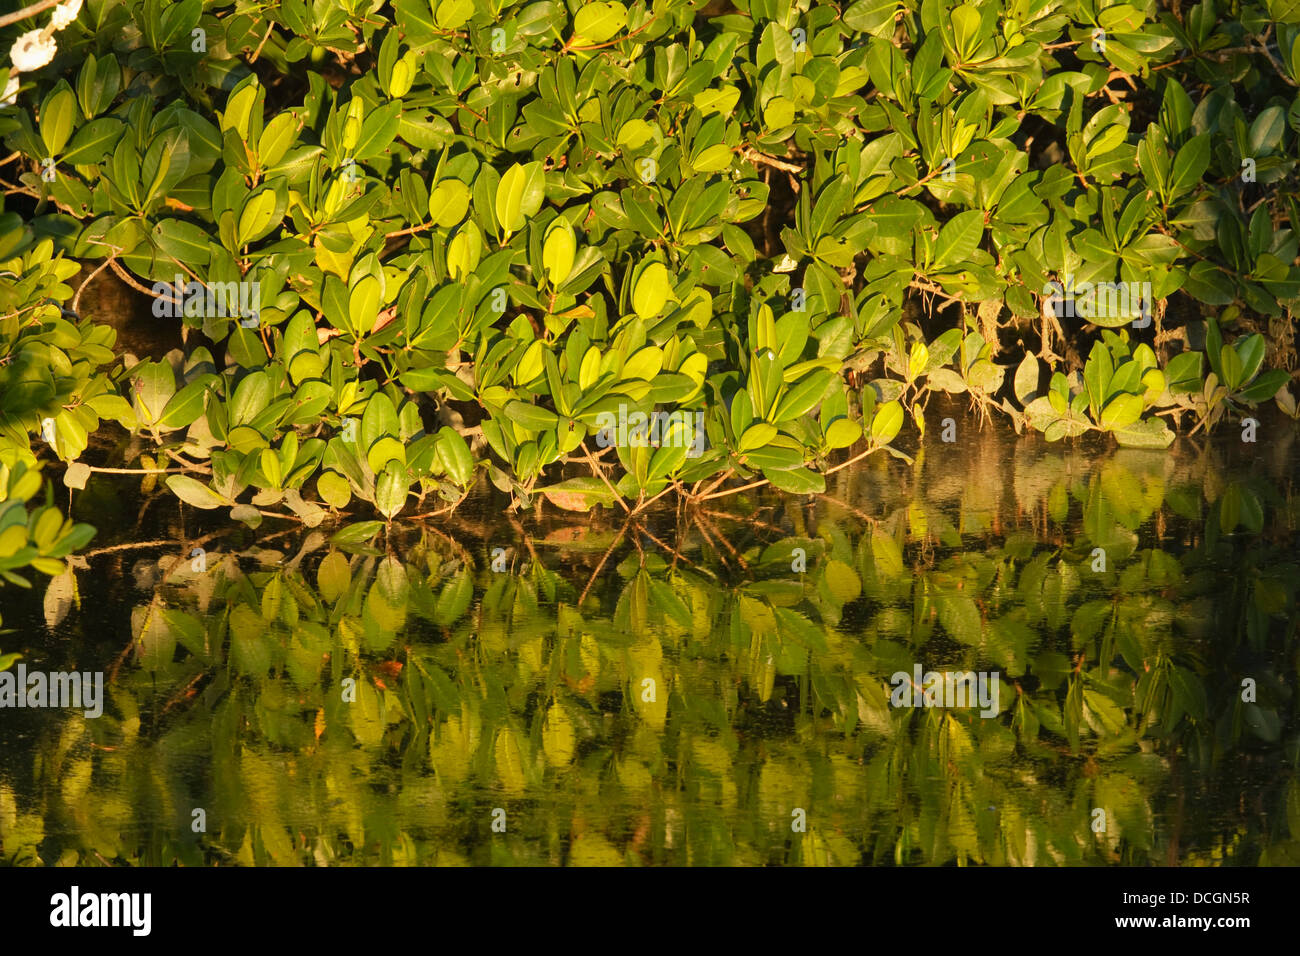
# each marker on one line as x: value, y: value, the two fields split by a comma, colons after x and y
x: 1183, y: 373
x: 276, y: 139
x: 1251, y: 350
x: 378, y: 130
x: 757, y: 435
x: 959, y: 238
x: 391, y: 489
x: 1264, y: 387
x: 1122, y: 411
x: 1097, y: 372
x: 1214, y: 346
x: 519, y: 195
x: 1190, y: 164
x: 634, y: 134
x: 531, y: 417
x: 334, y: 488
x: 1233, y: 368
x: 650, y: 290
x: 153, y: 386
x: 98, y: 84
x: 453, y: 453
x: 886, y: 424
x: 1266, y: 132
x: 58, y: 112
x: 385, y: 449
x: 803, y: 396
x: 379, y: 420
x: 453, y: 14
x: 448, y: 202
x: 558, y: 251
x: 965, y: 30
x: 185, y: 406
x: 799, y: 481
x: 363, y: 305
x: 842, y: 433
x: 869, y: 16
x: 713, y: 159
x: 252, y: 395
x: 184, y: 242
x: 257, y: 218
x: 598, y: 22
x: 92, y: 142
x: 464, y: 250
x: 195, y: 493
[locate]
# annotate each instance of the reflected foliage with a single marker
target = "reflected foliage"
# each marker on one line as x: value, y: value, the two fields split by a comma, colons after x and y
x: 1122, y: 600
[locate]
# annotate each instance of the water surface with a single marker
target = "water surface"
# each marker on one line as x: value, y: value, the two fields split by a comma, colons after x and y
x: 706, y: 686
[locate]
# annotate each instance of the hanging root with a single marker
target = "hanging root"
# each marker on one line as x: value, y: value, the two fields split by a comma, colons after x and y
x: 1281, y: 340
x: 989, y: 310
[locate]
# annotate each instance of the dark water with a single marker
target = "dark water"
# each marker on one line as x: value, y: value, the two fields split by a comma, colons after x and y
x: 687, y: 689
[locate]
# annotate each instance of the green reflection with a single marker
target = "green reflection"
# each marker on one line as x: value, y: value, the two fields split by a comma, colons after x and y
x: 692, y: 688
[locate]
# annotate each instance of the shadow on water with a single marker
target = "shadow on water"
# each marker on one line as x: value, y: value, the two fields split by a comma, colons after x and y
x: 714, y: 686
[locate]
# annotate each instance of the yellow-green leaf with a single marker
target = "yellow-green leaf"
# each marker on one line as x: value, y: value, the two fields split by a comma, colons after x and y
x: 448, y: 202
x: 886, y: 424
x: 559, y: 251
x: 464, y: 250
x: 651, y: 291
x: 598, y: 22
x: 255, y: 219
x: 363, y: 305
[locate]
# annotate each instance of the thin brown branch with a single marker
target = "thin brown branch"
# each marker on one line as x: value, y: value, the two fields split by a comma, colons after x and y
x: 128, y: 278
x: 733, y: 491
x: 26, y: 12
x: 754, y: 156
x: 76, y: 299
x: 140, y: 471
x: 852, y: 461
x: 265, y: 37
x: 596, y: 468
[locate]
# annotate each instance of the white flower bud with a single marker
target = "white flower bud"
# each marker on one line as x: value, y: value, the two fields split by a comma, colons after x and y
x: 65, y: 13
x: 31, y: 51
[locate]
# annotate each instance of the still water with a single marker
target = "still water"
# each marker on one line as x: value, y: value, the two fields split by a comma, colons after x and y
x: 702, y: 687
